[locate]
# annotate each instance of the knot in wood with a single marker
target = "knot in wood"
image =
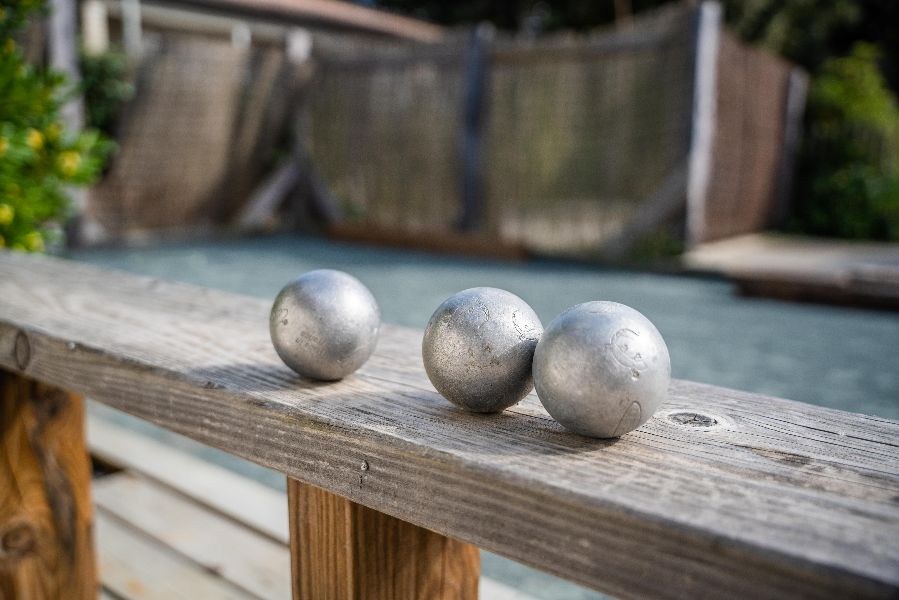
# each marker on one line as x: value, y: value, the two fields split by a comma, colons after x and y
x: 691, y: 419
x: 22, y: 350
x: 18, y: 540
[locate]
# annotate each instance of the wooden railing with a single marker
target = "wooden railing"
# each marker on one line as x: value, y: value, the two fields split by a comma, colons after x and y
x: 721, y: 494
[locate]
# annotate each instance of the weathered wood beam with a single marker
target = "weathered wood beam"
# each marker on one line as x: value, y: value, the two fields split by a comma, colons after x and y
x: 46, y: 548
x: 346, y: 551
x: 722, y: 493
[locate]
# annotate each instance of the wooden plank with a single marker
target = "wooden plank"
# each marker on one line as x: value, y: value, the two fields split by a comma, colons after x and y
x: 134, y: 567
x: 254, y: 504
x: 722, y: 492
x: 343, y: 550
x: 46, y: 546
x: 325, y: 14
x: 249, y: 503
x: 238, y: 555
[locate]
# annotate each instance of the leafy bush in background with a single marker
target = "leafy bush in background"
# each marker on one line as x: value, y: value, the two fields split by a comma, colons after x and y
x: 848, y: 180
x: 104, y: 80
x: 38, y: 158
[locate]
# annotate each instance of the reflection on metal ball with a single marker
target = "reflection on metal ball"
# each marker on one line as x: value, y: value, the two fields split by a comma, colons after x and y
x: 478, y: 348
x: 324, y: 325
x: 601, y: 369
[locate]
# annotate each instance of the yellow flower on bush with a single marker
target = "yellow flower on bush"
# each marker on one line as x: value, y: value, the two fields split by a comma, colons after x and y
x: 34, y: 241
x: 34, y: 139
x: 69, y: 161
x: 4, y: 145
x: 54, y: 131
x: 7, y: 213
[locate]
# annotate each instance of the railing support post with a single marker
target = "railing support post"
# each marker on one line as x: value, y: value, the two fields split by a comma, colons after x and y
x: 46, y: 541
x: 343, y: 550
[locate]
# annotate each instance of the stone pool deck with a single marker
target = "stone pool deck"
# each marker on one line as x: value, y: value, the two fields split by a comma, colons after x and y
x: 805, y: 269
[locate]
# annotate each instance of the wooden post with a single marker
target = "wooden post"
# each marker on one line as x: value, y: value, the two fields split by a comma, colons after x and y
x: 474, y: 121
x: 702, y: 133
x: 794, y: 108
x: 46, y: 548
x: 343, y: 550
x: 95, y: 26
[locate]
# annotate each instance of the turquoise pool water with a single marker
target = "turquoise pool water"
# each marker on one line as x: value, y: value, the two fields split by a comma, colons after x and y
x: 836, y: 357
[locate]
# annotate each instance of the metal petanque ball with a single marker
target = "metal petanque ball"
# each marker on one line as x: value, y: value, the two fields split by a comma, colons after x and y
x: 601, y: 369
x: 324, y: 324
x: 478, y: 348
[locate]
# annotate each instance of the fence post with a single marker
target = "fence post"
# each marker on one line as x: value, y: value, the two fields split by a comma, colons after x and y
x: 474, y: 117
x: 345, y: 551
x: 702, y: 134
x: 46, y: 546
x: 794, y: 108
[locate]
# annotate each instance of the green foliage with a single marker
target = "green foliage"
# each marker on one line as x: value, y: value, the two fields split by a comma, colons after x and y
x: 104, y: 80
x: 851, y: 90
x: 848, y: 182
x: 802, y: 30
x: 38, y: 158
x: 856, y: 201
x: 654, y: 248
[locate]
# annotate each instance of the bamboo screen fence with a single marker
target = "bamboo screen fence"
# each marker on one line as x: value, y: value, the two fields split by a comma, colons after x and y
x: 562, y: 144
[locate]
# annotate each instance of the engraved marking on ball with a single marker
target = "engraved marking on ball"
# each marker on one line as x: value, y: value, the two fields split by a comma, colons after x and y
x: 629, y: 419
x: 623, y: 344
x: 525, y: 332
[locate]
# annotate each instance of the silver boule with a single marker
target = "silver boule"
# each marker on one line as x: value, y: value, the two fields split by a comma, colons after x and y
x: 601, y: 369
x: 324, y: 324
x: 478, y: 349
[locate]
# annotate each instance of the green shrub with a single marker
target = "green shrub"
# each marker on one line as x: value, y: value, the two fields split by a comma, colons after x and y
x: 38, y: 158
x: 104, y: 80
x: 848, y: 184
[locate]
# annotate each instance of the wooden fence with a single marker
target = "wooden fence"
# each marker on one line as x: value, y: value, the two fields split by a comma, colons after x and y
x: 200, y: 133
x: 569, y: 135
x: 756, y: 131
x: 581, y: 143
x: 562, y: 144
x: 721, y: 494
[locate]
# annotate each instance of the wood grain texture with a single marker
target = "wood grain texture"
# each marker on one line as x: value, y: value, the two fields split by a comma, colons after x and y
x: 346, y: 551
x: 248, y: 506
x: 135, y: 567
x: 253, y: 563
x: 754, y: 496
x: 46, y: 546
x: 257, y: 506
